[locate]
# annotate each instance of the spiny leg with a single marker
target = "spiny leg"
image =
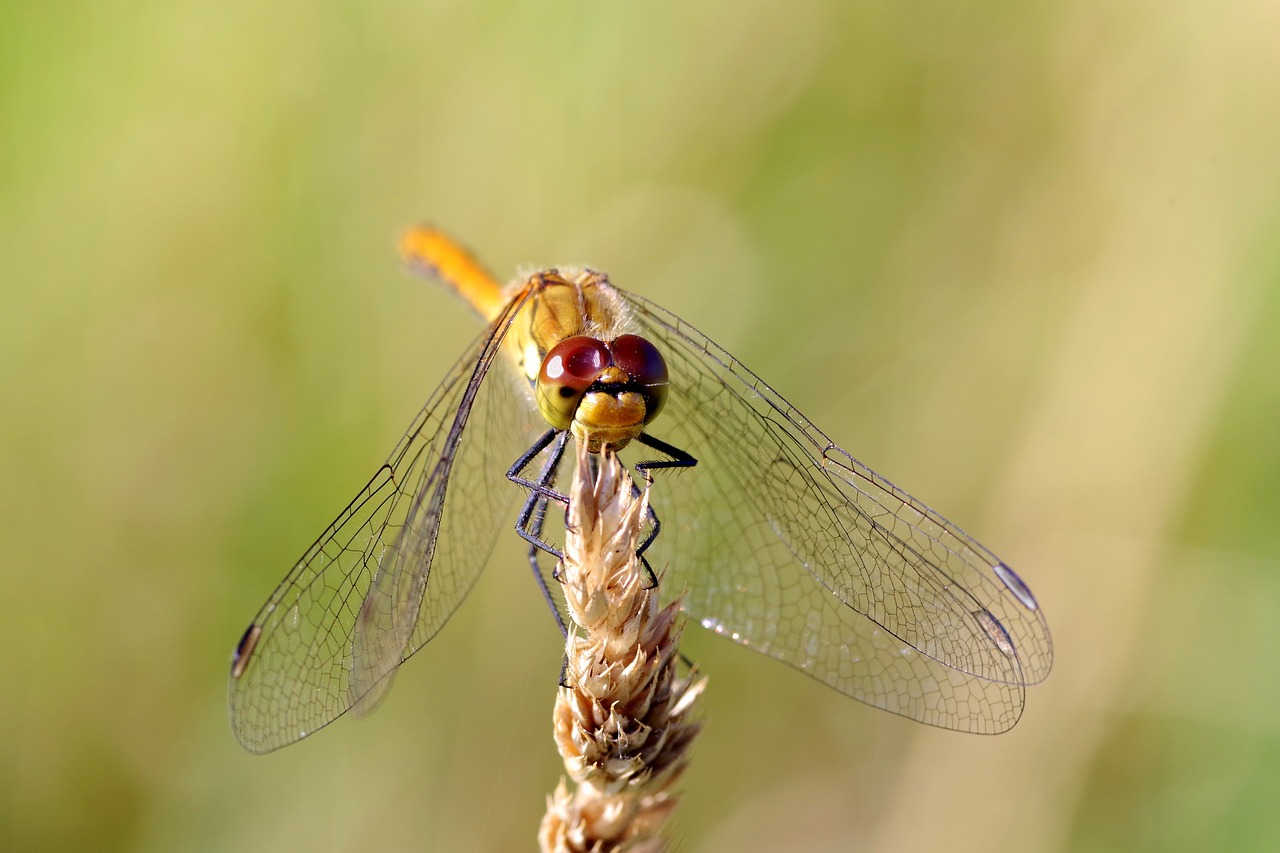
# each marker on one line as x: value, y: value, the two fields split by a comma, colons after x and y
x: 679, y: 459
x: 534, y: 512
x: 540, y: 490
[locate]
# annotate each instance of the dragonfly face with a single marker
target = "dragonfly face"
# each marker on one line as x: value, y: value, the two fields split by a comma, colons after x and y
x: 780, y: 540
x: 604, y: 392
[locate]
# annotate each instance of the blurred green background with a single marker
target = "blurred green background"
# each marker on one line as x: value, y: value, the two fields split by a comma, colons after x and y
x: 1023, y: 258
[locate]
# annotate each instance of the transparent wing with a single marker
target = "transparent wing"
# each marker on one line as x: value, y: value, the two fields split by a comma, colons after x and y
x: 785, y: 544
x: 392, y: 568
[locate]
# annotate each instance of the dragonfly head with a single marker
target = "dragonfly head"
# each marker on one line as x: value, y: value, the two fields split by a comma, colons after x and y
x: 604, y: 392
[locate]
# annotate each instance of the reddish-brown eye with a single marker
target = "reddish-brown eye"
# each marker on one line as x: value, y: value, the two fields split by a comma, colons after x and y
x: 566, y: 373
x: 646, y: 367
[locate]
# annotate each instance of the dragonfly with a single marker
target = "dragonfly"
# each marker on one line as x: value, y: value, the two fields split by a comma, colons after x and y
x: 778, y: 539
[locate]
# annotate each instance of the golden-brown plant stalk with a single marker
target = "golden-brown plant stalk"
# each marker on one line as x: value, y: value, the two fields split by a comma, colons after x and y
x: 624, y: 723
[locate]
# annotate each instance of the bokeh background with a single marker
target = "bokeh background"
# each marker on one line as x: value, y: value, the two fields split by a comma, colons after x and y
x: 1023, y: 258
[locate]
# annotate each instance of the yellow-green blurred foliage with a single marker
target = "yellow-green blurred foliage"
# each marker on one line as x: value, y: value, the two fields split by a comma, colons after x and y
x: 1021, y: 257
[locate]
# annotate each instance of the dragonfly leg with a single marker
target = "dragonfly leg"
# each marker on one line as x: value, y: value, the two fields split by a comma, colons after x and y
x: 542, y: 581
x: 679, y: 459
x: 542, y: 485
x: 529, y: 522
x: 534, y: 512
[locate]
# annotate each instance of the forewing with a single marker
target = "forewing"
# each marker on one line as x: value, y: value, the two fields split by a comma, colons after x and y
x: 785, y: 544
x: 392, y: 567
x: 438, y: 555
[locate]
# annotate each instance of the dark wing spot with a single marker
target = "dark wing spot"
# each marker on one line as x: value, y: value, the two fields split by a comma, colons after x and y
x: 244, y: 650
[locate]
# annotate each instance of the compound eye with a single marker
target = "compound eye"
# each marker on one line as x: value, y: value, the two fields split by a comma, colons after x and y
x: 646, y: 367
x: 566, y: 373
